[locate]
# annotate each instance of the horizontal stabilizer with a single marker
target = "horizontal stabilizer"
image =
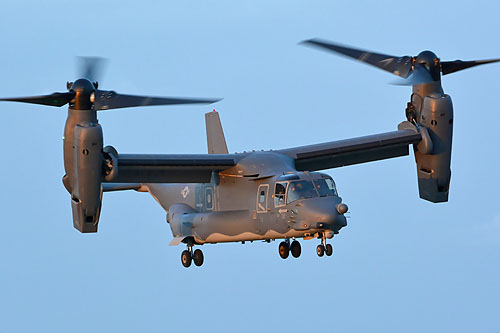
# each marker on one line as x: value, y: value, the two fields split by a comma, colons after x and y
x: 177, y: 240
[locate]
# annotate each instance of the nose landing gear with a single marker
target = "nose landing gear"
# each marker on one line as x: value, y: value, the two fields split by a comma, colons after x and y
x: 187, y: 256
x: 324, y: 248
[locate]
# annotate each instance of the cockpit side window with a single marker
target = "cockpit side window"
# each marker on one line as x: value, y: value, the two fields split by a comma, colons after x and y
x: 325, y: 187
x: 301, y: 189
x: 331, y: 185
x: 279, y: 194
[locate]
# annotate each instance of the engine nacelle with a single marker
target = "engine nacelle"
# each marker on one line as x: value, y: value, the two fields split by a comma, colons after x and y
x: 433, y: 161
x: 87, y: 176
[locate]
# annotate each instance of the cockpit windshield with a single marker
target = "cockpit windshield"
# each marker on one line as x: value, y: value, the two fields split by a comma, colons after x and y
x: 289, y: 188
x: 300, y: 189
x: 325, y: 187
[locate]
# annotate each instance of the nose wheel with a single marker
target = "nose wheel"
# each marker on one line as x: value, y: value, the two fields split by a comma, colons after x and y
x: 320, y: 250
x: 188, y: 256
x: 329, y: 249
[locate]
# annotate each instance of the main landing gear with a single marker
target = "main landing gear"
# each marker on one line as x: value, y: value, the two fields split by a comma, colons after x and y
x: 187, y: 256
x: 324, y: 248
x: 285, y: 248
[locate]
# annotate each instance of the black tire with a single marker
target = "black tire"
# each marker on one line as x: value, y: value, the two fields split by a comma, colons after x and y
x: 329, y: 249
x: 186, y: 258
x: 284, y: 250
x: 198, y: 257
x: 320, y: 250
x: 295, y: 249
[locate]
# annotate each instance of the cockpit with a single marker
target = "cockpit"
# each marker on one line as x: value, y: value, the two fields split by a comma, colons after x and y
x: 296, y: 186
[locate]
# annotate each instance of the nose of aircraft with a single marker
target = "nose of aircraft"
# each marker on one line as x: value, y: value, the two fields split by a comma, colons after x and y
x: 324, y: 212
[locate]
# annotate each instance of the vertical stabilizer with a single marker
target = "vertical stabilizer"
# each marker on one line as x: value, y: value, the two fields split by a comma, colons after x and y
x: 215, y: 136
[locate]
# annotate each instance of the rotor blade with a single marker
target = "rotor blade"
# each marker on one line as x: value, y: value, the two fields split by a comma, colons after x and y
x: 55, y: 99
x: 448, y: 67
x: 105, y: 100
x: 419, y: 75
x: 400, y: 66
x: 91, y: 67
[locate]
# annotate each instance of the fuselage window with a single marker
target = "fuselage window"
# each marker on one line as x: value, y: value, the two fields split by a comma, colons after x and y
x: 209, y: 198
x: 279, y: 194
x: 262, y: 197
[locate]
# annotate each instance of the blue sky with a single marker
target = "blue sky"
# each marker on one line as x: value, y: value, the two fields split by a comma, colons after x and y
x: 402, y: 264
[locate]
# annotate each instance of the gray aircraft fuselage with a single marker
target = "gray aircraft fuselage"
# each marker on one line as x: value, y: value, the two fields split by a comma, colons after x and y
x: 240, y: 204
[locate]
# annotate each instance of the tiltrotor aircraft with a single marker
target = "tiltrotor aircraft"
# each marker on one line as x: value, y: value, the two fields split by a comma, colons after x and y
x: 259, y: 195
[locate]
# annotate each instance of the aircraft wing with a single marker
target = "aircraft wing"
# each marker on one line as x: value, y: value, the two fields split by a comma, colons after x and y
x: 169, y: 168
x: 363, y: 149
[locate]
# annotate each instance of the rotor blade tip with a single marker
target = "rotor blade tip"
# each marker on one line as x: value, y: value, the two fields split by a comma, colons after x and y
x: 312, y: 41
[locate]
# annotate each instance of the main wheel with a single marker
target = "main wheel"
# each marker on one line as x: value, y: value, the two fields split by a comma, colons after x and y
x: 284, y: 250
x: 320, y: 250
x: 198, y: 257
x: 329, y: 249
x: 295, y: 249
x: 186, y: 258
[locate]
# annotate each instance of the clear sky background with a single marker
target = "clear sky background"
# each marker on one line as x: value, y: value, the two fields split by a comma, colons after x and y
x: 401, y: 265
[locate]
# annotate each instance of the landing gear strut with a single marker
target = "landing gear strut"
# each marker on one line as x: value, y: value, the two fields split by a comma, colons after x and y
x: 324, y: 248
x: 187, y: 256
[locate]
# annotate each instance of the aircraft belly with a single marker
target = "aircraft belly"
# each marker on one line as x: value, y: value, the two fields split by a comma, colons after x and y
x: 229, y: 224
x: 236, y: 226
x: 216, y: 237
